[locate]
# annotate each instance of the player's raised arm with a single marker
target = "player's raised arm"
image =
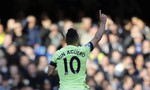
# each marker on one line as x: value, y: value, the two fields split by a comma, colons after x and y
x: 101, y: 30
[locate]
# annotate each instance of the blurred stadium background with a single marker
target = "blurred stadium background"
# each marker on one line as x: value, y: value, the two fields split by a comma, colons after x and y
x: 32, y: 30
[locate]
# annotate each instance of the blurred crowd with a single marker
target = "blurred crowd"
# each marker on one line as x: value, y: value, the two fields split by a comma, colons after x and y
x: 121, y: 60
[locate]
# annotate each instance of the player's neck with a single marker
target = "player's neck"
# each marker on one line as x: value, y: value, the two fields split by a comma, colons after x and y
x: 72, y: 44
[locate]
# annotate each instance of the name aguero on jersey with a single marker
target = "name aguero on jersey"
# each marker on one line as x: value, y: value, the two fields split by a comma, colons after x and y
x: 76, y: 52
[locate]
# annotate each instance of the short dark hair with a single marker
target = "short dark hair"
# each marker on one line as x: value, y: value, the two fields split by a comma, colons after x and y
x: 72, y: 36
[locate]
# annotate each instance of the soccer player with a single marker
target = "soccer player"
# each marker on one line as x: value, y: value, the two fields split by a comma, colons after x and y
x: 71, y: 59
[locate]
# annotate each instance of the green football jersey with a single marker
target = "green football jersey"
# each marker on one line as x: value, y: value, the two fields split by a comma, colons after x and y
x: 71, y: 66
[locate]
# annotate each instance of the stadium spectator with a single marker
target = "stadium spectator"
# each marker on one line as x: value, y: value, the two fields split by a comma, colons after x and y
x: 10, y: 25
x: 8, y: 40
x: 115, y: 57
x: 114, y: 42
x: 45, y: 30
x: 120, y: 68
x: 137, y: 87
x: 2, y: 34
x: 51, y: 49
x: 65, y: 25
x: 139, y: 61
x: 12, y: 55
x: 19, y: 37
x: 55, y: 36
x: 146, y: 83
x: 34, y: 79
x: 104, y: 45
x: 33, y: 31
x: 127, y: 83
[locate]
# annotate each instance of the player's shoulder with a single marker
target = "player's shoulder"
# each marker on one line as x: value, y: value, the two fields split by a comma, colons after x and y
x: 88, y: 47
x: 83, y: 46
x: 59, y: 51
x: 70, y: 47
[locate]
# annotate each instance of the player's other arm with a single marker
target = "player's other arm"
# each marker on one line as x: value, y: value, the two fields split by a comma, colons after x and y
x: 52, y: 69
x: 101, y: 30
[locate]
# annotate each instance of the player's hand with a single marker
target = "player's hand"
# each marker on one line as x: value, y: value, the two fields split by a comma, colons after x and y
x: 102, y: 17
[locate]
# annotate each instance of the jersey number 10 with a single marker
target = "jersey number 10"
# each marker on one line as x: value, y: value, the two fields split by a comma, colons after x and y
x: 71, y: 65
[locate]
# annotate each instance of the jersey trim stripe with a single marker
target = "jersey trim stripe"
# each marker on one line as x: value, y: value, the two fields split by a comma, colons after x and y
x: 91, y: 46
x: 53, y: 64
